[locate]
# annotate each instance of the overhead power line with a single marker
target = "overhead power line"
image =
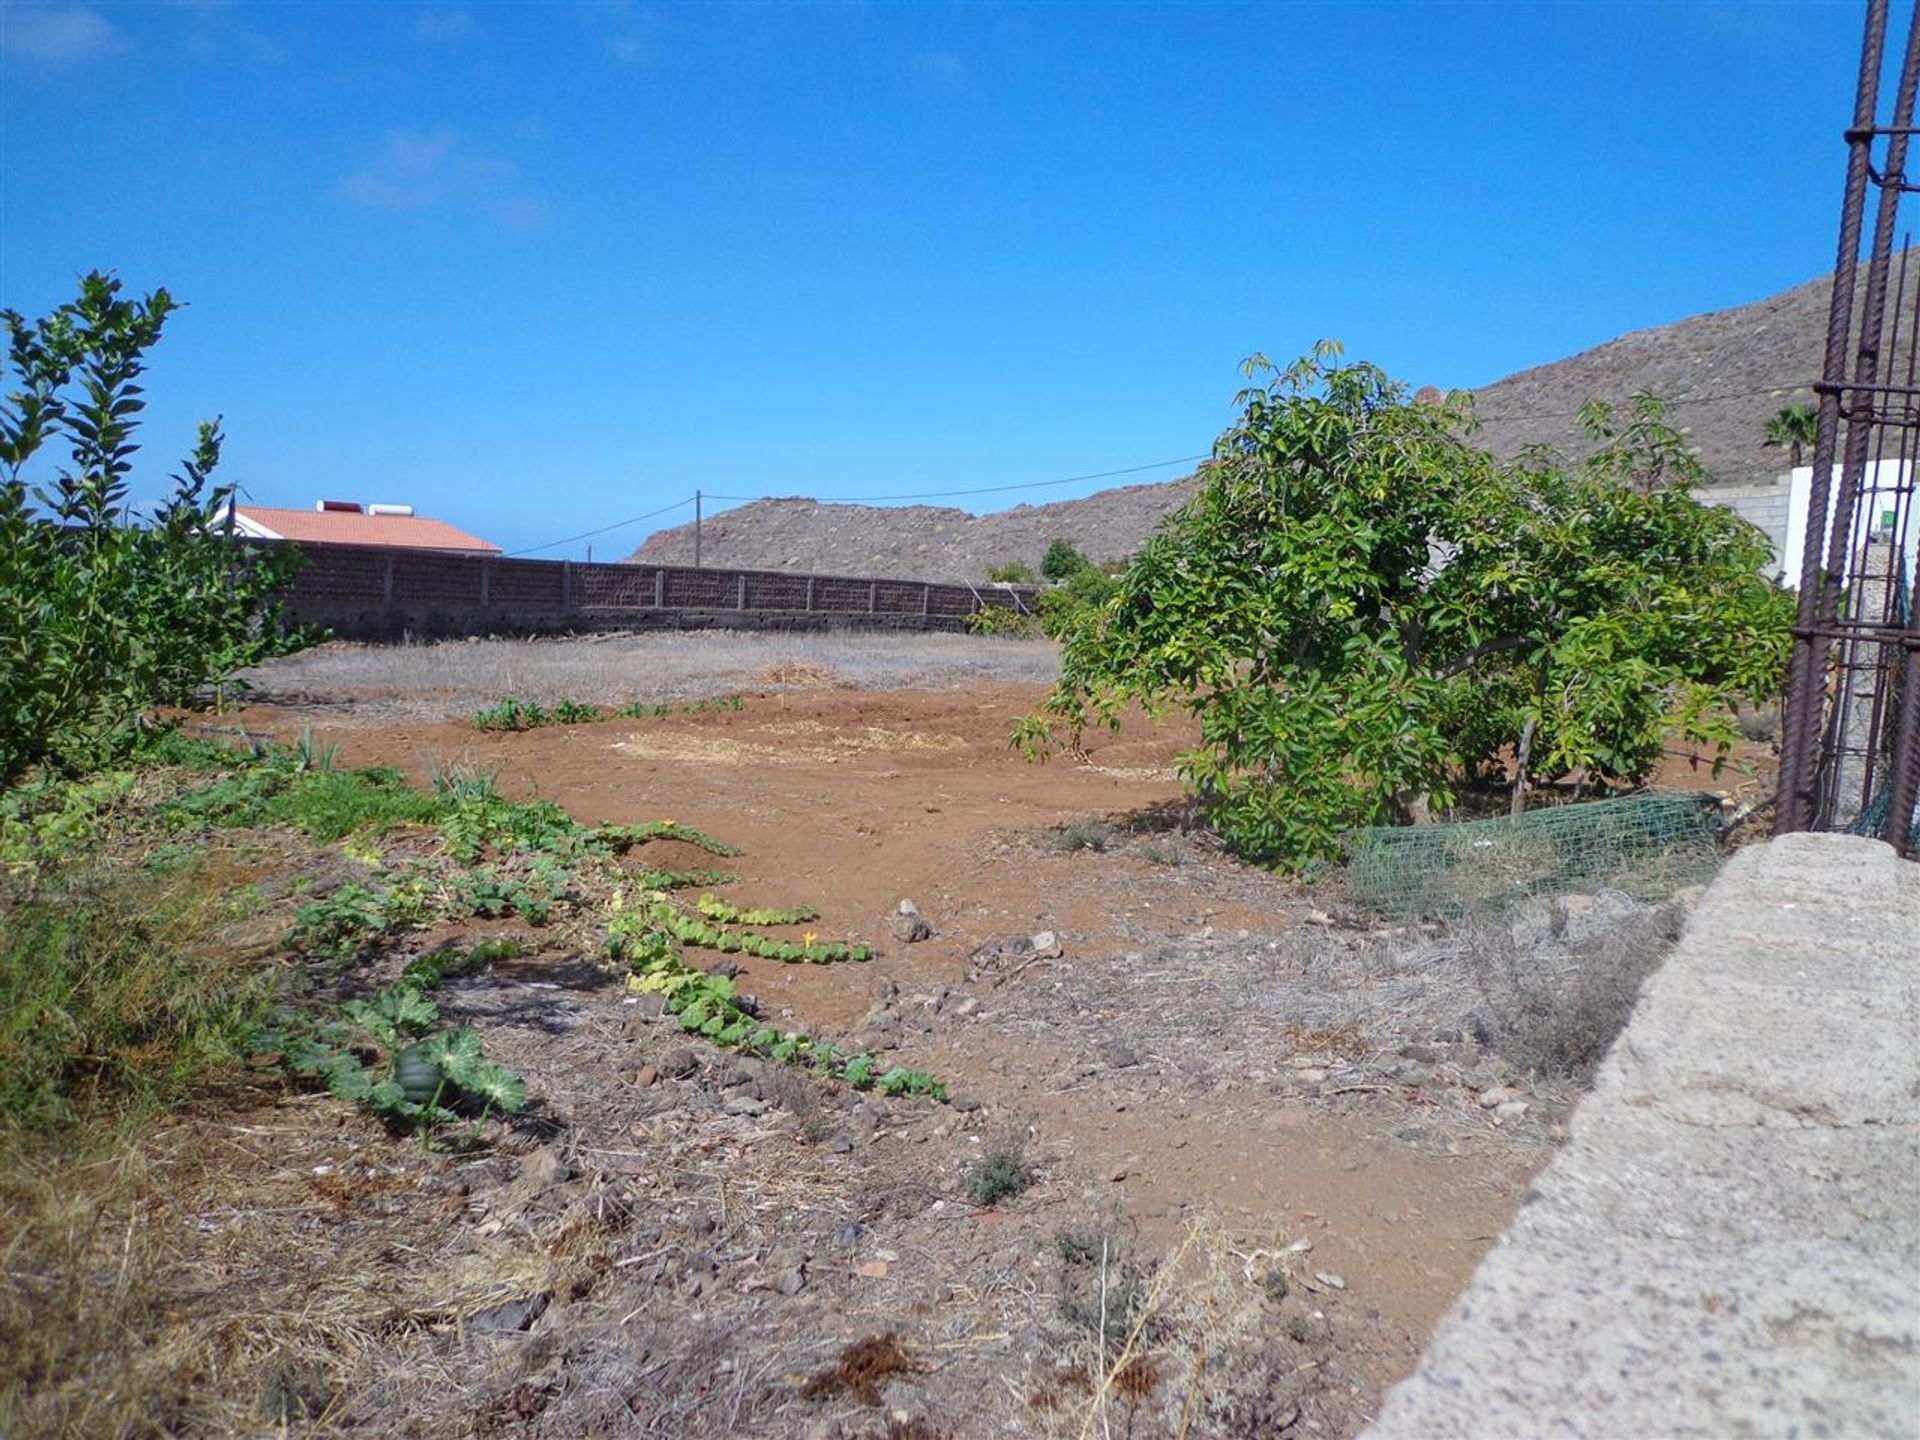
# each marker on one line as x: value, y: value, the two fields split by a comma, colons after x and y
x: 589, y: 534
x: 1786, y: 385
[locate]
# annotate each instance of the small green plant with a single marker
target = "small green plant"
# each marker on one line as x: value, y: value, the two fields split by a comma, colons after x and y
x: 514, y: 715
x: 424, y: 1075
x: 690, y: 930
x: 576, y: 712
x: 707, y: 1005
x: 1002, y: 1172
x: 310, y: 755
x: 339, y: 924
x: 1013, y: 572
x: 1076, y: 1247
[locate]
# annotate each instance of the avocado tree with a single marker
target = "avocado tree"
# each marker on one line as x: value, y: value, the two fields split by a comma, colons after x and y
x: 1366, y: 613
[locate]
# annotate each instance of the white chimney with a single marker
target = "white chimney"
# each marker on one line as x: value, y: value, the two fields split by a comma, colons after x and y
x: 401, y: 510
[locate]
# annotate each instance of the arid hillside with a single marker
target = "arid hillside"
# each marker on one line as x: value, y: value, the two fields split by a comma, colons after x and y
x: 1725, y: 372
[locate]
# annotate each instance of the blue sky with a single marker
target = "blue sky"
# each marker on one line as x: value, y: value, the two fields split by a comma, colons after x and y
x: 539, y: 267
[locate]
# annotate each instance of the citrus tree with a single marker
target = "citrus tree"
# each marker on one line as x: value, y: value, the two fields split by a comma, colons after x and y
x: 106, y: 613
x: 1365, y: 613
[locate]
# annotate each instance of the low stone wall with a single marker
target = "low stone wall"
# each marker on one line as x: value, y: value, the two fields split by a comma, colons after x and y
x: 1729, y: 1242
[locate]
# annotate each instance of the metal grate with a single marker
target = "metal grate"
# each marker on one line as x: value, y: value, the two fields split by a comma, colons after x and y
x: 1850, y: 743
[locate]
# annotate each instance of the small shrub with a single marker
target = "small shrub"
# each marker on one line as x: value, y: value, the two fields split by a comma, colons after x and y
x: 1087, y: 833
x: 1002, y: 1172
x: 1162, y: 852
x: 1014, y: 572
x: 1557, y: 1015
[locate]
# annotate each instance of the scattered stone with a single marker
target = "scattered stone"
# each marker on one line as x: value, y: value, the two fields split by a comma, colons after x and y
x: 792, y: 1280
x: 1046, y: 945
x: 645, y: 1076
x: 966, y: 1005
x: 1499, y: 1095
x: 679, y: 1063
x: 910, y: 929
x: 872, y: 1269
x: 1511, y: 1110
x: 907, y: 907
x: 1420, y: 1054
x: 1300, y: 1246
x: 1118, y: 1055
x: 1332, y: 1282
x: 510, y: 1318
x: 840, y: 1145
x: 745, y: 1104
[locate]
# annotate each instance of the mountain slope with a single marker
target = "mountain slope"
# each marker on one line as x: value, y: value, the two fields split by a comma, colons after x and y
x: 1724, y: 372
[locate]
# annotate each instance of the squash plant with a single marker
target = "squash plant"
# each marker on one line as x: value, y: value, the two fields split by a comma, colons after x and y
x: 420, y: 1074
x: 706, y: 1005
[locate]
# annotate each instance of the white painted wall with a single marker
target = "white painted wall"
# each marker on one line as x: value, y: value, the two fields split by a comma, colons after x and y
x: 1884, y: 495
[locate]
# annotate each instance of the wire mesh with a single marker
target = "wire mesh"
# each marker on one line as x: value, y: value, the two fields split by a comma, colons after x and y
x: 1647, y: 846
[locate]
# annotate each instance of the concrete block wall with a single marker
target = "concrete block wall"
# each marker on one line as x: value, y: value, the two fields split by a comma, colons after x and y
x: 373, y: 593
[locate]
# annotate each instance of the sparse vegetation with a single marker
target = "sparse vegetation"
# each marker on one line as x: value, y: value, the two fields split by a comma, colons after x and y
x: 513, y: 714
x: 1089, y: 832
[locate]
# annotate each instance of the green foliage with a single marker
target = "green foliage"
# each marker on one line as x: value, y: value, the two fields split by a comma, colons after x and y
x: 706, y: 1005
x: 714, y: 908
x: 1063, y: 562
x: 1365, y: 613
x: 999, y: 1174
x: 1013, y: 572
x: 661, y: 916
x: 103, y: 617
x: 513, y: 715
x: 1792, y: 428
x: 424, y: 1073
x: 1004, y: 620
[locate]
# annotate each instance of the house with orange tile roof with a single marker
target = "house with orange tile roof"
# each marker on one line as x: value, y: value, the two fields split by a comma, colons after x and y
x: 347, y: 522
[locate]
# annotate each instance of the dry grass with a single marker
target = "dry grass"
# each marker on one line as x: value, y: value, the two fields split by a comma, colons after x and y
x: 1555, y: 1011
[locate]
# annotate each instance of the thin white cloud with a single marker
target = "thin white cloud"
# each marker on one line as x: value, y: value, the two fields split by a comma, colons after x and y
x: 442, y: 27
x: 58, y: 34
x: 419, y: 170
x: 216, y: 29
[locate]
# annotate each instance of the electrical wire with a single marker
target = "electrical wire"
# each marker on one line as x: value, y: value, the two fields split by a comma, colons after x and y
x: 1110, y: 474
x: 589, y: 534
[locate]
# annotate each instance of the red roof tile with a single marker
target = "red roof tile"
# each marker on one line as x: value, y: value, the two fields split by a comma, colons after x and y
x: 342, y: 527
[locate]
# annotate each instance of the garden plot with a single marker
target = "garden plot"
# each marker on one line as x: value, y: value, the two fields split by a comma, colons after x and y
x: 1195, y: 1152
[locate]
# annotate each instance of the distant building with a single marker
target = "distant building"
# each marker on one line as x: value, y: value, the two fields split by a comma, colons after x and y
x: 1886, y: 515
x: 347, y: 522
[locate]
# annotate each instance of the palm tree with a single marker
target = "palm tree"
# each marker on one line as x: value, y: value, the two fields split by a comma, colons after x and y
x: 1793, y: 428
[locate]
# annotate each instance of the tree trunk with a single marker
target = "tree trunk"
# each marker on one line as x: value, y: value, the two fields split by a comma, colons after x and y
x: 1525, y: 753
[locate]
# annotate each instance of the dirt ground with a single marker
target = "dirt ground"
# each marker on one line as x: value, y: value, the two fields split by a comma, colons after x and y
x: 1272, y: 1127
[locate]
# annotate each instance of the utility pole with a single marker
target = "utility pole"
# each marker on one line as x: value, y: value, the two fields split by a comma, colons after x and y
x: 696, y: 529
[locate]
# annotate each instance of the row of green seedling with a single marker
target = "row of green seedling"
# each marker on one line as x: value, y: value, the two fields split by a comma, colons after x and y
x: 707, y: 1005
x: 730, y: 941
x: 516, y: 715
x: 714, y: 908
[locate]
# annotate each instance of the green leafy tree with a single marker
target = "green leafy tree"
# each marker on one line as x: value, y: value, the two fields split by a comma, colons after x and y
x: 104, y: 613
x: 1366, y: 613
x: 1792, y: 429
x: 1063, y: 562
